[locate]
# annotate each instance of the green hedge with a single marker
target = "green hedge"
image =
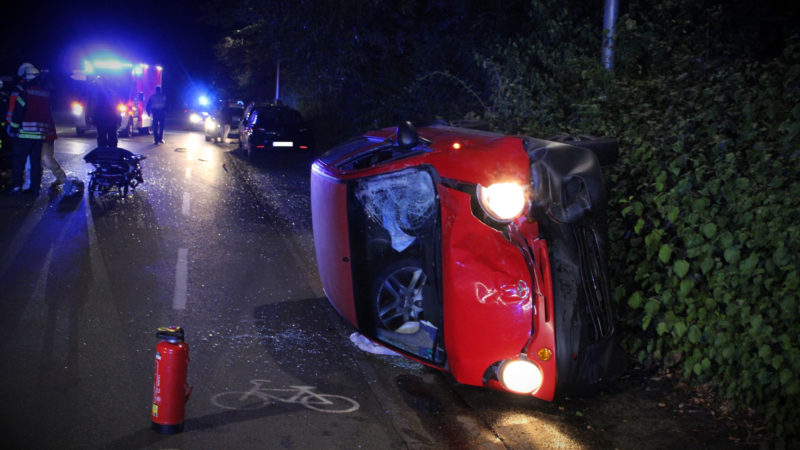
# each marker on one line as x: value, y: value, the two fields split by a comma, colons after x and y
x: 705, y: 200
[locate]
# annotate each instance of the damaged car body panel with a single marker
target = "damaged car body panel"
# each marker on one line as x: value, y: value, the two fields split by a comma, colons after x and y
x: 479, y: 254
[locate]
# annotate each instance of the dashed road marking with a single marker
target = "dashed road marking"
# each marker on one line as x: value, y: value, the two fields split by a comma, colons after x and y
x: 186, y: 208
x: 181, y: 279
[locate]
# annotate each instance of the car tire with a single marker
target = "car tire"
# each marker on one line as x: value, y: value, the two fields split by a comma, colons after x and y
x: 80, y: 131
x: 208, y: 139
x: 398, y: 294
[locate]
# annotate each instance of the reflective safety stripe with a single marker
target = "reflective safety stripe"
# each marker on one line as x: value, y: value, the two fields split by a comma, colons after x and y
x: 29, y: 135
x: 34, y: 130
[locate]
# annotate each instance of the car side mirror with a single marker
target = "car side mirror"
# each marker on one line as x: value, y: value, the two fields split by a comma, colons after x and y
x: 407, y: 136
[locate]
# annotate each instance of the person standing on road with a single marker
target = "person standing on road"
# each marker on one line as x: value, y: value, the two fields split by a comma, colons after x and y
x: 29, y: 120
x: 102, y: 112
x: 157, y: 109
x: 49, y: 145
x: 226, y: 116
x: 48, y: 156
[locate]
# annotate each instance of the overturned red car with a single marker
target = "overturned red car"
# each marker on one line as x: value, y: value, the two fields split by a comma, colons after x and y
x: 480, y: 254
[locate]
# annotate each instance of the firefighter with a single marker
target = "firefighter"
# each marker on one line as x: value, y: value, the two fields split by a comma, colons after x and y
x: 29, y: 119
x: 157, y: 108
x: 102, y: 112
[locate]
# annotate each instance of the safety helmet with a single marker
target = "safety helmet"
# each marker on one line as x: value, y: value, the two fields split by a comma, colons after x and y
x: 27, y: 71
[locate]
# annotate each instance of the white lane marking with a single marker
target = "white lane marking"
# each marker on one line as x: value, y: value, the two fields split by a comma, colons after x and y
x: 188, y: 173
x: 185, y: 209
x: 181, y: 279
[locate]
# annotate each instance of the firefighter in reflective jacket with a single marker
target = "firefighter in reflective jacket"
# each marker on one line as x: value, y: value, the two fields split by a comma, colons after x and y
x: 29, y: 120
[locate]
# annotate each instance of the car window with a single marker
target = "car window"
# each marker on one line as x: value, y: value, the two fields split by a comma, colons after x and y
x: 266, y: 118
x: 291, y: 119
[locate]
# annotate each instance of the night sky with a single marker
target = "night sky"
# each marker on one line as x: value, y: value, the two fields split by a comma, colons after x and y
x: 55, y: 35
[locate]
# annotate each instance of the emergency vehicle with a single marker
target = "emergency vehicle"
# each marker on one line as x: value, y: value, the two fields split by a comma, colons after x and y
x: 133, y: 85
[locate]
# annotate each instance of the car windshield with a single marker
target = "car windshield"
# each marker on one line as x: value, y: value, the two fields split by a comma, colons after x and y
x: 230, y: 112
x: 272, y: 118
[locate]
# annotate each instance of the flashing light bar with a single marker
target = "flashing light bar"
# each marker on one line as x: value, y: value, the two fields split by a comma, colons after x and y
x: 105, y: 64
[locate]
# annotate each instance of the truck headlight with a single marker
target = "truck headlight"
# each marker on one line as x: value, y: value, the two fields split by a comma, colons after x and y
x: 520, y: 376
x: 503, y: 202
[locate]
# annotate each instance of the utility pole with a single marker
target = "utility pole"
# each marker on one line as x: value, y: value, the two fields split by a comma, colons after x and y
x: 278, y: 82
x: 609, y: 33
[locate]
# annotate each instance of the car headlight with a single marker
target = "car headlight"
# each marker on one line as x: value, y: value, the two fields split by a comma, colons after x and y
x: 77, y: 108
x: 503, y: 202
x: 210, y: 124
x: 195, y: 118
x: 520, y: 376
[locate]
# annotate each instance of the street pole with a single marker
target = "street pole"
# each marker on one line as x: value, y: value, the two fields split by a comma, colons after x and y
x: 278, y: 82
x: 609, y: 33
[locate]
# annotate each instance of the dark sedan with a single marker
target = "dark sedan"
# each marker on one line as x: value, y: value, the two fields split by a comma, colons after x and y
x: 271, y: 129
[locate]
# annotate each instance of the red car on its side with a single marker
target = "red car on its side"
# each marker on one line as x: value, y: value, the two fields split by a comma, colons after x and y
x: 480, y: 254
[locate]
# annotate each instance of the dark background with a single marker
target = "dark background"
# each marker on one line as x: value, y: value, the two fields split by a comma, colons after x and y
x: 54, y: 36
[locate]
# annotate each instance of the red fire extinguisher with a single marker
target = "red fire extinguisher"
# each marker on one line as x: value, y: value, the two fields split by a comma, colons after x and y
x: 170, y: 391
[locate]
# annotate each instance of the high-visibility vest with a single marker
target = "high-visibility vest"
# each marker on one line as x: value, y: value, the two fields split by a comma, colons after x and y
x: 29, y: 113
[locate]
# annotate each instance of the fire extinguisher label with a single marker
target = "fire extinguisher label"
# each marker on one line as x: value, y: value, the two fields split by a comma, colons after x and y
x: 155, y: 410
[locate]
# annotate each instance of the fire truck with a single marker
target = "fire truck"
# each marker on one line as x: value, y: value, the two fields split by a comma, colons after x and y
x: 133, y: 84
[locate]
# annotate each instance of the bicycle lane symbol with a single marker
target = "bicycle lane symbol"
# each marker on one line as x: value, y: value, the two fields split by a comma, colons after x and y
x: 260, y: 396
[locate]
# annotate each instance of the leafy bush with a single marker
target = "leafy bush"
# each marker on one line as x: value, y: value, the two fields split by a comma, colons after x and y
x: 705, y: 203
x: 706, y: 237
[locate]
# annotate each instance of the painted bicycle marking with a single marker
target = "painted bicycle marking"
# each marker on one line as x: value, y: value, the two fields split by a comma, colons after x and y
x: 260, y: 396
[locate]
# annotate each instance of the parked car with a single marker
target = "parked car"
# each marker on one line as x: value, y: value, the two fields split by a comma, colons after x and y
x: 229, y: 114
x: 476, y: 253
x: 271, y: 129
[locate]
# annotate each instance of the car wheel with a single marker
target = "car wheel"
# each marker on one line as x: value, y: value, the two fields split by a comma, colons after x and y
x: 208, y: 139
x: 399, y: 296
x: 80, y: 131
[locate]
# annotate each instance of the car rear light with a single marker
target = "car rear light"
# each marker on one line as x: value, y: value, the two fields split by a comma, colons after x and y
x: 303, y: 147
x: 520, y: 376
x: 259, y: 146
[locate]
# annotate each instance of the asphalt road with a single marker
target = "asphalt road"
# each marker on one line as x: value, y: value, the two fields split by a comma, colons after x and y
x: 223, y: 247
